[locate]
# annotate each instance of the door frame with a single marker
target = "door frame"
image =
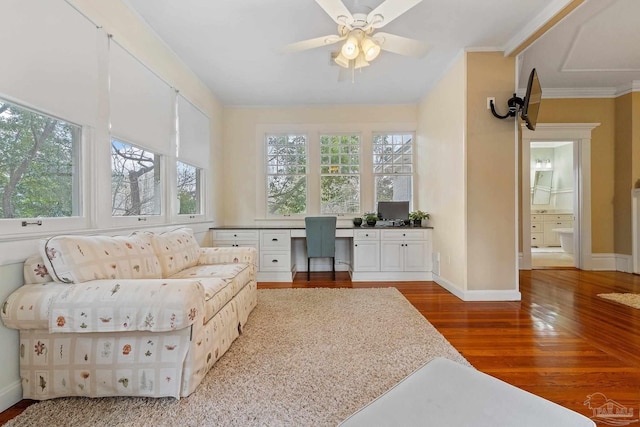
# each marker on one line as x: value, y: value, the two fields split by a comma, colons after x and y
x: 580, y: 134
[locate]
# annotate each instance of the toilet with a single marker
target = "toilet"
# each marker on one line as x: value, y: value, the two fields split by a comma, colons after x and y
x: 566, y: 239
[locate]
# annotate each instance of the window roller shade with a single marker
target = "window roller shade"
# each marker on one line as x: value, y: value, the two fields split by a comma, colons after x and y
x: 140, y: 104
x: 193, y: 139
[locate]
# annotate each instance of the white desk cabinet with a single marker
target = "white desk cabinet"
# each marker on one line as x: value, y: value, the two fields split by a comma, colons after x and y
x: 392, y: 254
x: 405, y: 250
x: 366, y: 250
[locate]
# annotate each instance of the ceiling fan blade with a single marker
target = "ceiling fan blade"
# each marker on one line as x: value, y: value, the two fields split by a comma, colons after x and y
x: 388, y: 11
x: 311, y: 43
x: 337, y: 11
x: 401, y: 45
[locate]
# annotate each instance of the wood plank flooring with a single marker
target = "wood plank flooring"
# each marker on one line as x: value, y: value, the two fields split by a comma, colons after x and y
x: 561, y: 342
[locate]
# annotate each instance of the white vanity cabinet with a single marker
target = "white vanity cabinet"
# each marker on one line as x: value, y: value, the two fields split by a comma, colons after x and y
x: 366, y: 250
x: 552, y: 221
x: 542, y: 226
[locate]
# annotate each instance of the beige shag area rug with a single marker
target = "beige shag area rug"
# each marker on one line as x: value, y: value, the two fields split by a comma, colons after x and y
x: 632, y: 300
x: 307, y: 357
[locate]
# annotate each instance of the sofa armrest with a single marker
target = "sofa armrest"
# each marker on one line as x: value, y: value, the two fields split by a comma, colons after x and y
x: 156, y: 305
x: 228, y: 255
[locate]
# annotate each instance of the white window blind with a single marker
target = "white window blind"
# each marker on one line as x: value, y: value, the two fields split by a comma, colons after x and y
x: 193, y: 134
x: 141, y: 105
x: 49, y: 59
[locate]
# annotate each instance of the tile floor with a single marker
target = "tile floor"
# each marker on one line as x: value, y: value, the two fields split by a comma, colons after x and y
x: 550, y: 257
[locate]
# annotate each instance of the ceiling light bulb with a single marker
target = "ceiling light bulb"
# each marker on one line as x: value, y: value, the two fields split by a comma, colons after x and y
x: 370, y: 48
x: 341, y: 60
x: 350, y: 48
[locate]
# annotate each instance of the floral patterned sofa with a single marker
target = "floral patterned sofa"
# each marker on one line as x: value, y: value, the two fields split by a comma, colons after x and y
x: 140, y: 315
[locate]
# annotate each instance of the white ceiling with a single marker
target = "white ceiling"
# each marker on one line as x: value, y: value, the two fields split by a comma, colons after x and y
x: 232, y: 46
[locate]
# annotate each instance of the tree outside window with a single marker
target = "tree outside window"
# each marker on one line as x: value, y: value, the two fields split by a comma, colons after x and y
x: 135, y: 180
x: 286, y: 158
x: 339, y: 174
x: 39, y: 167
x: 188, y: 186
x: 393, y: 167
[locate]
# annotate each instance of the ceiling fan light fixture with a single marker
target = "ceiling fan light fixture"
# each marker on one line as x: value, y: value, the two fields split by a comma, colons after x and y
x: 360, y: 62
x: 370, y: 48
x: 341, y: 60
x: 350, y: 48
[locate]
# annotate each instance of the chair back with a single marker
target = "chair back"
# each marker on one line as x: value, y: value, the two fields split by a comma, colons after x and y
x: 321, y: 236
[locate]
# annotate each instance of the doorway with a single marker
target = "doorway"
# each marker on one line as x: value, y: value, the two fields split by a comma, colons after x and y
x: 579, y: 134
x: 552, y: 204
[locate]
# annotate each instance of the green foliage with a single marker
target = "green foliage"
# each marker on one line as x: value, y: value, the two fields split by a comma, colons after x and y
x: 36, y: 164
x: 419, y: 215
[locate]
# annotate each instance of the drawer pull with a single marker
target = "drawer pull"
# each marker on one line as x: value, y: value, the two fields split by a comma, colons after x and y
x: 274, y: 240
x: 235, y: 235
x: 404, y: 234
x: 366, y: 235
x: 274, y: 260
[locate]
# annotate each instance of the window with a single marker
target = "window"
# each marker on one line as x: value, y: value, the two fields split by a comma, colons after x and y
x: 286, y: 157
x: 188, y: 189
x: 393, y: 167
x: 39, y: 164
x: 339, y: 174
x: 135, y: 180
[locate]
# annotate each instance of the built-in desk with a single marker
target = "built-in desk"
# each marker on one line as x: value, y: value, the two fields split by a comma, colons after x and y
x: 368, y: 253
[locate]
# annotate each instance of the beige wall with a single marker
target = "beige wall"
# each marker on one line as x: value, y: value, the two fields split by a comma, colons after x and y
x: 241, y: 163
x: 591, y: 110
x: 491, y: 175
x: 441, y: 149
x: 623, y: 162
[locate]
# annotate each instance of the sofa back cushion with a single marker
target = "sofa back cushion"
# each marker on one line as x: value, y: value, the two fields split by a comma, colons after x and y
x: 177, y: 250
x: 77, y: 259
x: 35, y: 271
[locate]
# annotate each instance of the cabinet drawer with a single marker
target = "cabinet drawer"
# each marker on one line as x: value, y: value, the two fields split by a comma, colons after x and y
x: 558, y: 217
x: 537, y: 239
x: 275, y: 239
x: 537, y: 218
x: 366, y: 234
x: 235, y: 235
x: 404, y: 234
x: 536, y: 226
x: 275, y: 261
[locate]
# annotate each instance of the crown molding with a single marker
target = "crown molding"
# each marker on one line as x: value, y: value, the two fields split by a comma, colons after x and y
x: 633, y: 86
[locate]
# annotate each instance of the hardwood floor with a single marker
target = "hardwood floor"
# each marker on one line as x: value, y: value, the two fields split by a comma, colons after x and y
x: 561, y: 342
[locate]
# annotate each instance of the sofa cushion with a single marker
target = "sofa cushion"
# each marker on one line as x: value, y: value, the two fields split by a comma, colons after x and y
x: 237, y: 275
x: 35, y: 271
x: 77, y: 259
x: 176, y: 250
x: 217, y: 293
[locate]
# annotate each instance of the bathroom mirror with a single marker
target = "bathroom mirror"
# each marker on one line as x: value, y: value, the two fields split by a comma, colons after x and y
x: 542, y: 188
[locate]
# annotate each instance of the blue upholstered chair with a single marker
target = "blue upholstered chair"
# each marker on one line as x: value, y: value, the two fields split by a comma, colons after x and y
x: 321, y: 240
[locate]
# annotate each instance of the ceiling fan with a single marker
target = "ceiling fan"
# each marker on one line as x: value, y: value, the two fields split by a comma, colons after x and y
x: 359, y: 30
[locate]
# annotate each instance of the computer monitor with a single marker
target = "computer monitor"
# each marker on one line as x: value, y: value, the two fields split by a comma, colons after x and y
x: 393, y: 210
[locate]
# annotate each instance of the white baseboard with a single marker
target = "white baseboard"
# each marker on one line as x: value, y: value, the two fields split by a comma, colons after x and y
x: 10, y: 395
x: 624, y: 263
x: 603, y: 262
x: 483, y: 295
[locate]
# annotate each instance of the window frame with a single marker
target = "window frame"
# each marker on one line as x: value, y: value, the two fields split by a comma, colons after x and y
x: 265, y: 161
x: 410, y: 174
x: 322, y: 174
x: 20, y: 227
x: 200, y: 188
x: 143, y: 219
